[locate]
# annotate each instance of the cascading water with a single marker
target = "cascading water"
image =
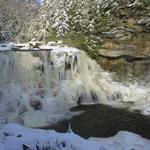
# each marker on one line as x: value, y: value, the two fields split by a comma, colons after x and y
x: 38, y: 86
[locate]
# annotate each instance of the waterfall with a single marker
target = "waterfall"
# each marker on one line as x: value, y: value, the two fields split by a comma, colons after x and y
x: 46, y: 71
x: 37, y: 86
x: 85, y: 74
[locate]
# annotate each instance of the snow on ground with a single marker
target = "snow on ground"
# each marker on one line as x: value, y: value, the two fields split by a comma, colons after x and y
x: 5, y: 46
x: 13, y: 137
x: 57, y: 47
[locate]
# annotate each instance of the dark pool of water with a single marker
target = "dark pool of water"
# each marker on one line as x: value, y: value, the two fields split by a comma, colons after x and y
x: 104, y: 121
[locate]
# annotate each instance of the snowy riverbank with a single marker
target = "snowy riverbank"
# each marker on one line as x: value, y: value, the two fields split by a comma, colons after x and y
x: 15, y: 137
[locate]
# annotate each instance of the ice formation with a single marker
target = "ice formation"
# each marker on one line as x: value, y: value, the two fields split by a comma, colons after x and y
x: 38, y: 87
x: 15, y: 137
x: 5, y: 46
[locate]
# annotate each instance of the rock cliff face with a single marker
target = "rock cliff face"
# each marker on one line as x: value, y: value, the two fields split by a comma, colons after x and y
x: 129, y: 55
x: 126, y: 49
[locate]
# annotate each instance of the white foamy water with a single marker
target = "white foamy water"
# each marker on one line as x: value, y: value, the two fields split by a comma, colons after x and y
x: 39, y: 87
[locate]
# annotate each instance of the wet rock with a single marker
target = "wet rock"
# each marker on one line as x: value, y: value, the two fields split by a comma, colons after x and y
x: 35, y: 44
x: 79, y: 101
x: 120, y: 34
x: 117, y: 96
x: 3, y: 120
x: 55, y: 93
x: 1, y: 94
x: 25, y: 147
x: 41, y: 92
x: 22, y: 110
x: 36, y: 104
x: 40, y: 68
x: 19, y: 135
x: 94, y: 96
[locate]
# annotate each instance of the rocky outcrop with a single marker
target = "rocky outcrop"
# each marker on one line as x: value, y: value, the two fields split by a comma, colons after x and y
x: 36, y: 104
x: 129, y: 57
x: 126, y: 49
x: 127, y: 66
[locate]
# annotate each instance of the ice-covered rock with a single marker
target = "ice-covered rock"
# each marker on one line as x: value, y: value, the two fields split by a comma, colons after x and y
x: 5, y: 47
x: 49, y: 81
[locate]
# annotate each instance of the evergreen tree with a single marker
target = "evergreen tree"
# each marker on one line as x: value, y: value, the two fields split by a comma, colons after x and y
x: 60, y: 19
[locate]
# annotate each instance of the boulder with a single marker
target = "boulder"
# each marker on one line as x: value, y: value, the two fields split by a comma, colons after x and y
x: 36, y: 104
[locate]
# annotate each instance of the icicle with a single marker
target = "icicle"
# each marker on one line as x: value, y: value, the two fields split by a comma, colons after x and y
x: 69, y: 129
x: 46, y: 71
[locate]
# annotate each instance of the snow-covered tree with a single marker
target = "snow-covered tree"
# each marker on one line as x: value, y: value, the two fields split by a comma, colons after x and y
x: 60, y: 19
x: 89, y: 18
x: 15, y: 14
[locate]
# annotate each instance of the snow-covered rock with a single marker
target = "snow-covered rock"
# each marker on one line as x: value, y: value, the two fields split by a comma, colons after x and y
x: 14, y: 137
x: 5, y: 47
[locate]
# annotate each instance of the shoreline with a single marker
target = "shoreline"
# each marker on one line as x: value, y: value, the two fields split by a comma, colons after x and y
x: 100, y: 120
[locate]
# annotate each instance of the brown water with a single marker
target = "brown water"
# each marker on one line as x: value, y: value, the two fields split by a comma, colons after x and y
x: 104, y: 121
